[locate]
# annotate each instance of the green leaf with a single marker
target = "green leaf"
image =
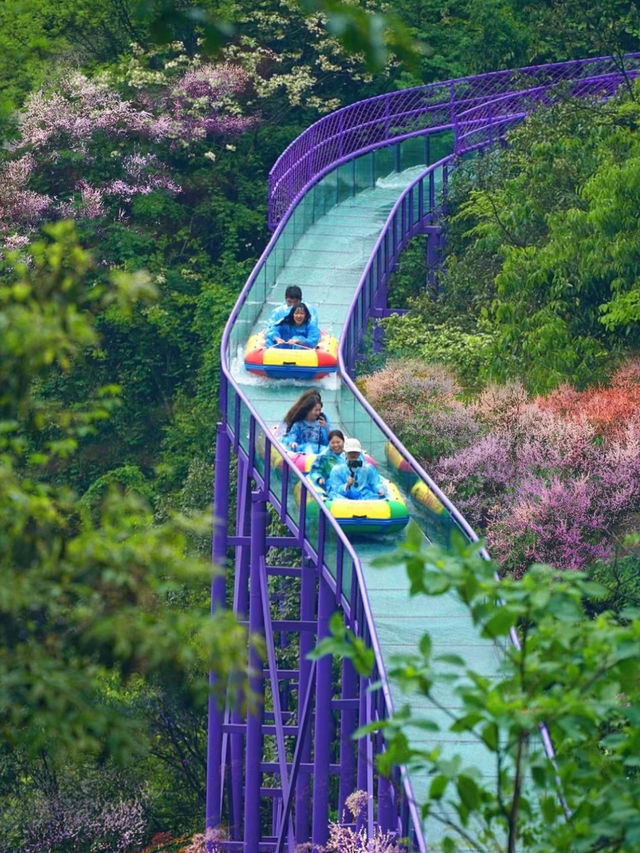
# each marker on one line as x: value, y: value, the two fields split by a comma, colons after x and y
x: 454, y: 660
x: 499, y: 624
x: 448, y: 845
x: 468, y: 791
x: 425, y: 646
x: 438, y: 787
x: 490, y: 735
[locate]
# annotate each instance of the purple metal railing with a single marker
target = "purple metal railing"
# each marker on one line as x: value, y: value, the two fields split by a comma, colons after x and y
x: 416, y: 207
x: 235, y: 760
x: 488, y: 122
x: 388, y: 118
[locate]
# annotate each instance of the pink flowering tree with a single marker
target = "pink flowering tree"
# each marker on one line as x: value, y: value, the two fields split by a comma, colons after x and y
x: 553, y: 479
x: 85, y: 152
x: 210, y: 100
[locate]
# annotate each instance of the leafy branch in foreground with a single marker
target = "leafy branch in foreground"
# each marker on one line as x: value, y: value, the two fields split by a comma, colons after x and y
x: 577, y: 677
x: 90, y: 598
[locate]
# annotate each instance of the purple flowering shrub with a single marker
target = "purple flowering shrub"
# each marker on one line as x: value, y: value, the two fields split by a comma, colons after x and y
x: 552, y: 479
x: 88, y: 815
x: 210, y: 100
x: 84, y: 151
x: 546, y: 483
x: 562, y: 523
x: 346, y: 838
x: 420, y: 403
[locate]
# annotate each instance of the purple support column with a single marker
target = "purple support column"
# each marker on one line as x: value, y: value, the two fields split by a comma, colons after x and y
x: 378, y: 337
x: 215, y: 770
x: 363, y: 756
x: 362, y: 742
x: 253, y: 757
x: 322, y: 738
x: 379, y: 304
x: 241, y: 609
x: 348, y: 722
x: 307, y: 612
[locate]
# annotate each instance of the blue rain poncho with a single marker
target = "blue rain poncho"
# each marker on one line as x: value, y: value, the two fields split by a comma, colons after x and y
x: 323, y: 464
x: 308, y: 436
x: 308, y: 334
x: 366, y: 486
x: 278, y: 314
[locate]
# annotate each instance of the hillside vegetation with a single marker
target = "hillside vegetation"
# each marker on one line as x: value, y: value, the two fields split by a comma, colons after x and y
x: 146, y: 130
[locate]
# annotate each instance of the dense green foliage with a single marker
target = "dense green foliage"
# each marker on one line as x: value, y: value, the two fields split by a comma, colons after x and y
x: 540, y: 280
x: 576, y: 676
x: 95, y: 597
x: 119, y: 117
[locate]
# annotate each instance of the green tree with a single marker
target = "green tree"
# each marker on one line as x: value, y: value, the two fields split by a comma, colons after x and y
x: 567, y: 300
x: 576, y: 676
x: 93, y: 595
x: 540, y: 275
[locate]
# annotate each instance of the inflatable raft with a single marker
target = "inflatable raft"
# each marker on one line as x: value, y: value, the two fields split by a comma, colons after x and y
x: 365, y: 518
x: 421, y: 493
x: 396, y: 459
x: 296, y: 363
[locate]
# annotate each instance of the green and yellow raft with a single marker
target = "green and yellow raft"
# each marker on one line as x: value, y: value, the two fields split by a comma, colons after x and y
x: 364, y: 518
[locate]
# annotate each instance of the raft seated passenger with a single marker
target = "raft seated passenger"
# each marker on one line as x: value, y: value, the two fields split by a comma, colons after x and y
x: 355, y: 478
x: 306, y: 426
x: 331, y: 456
x: 295, y: 330
x: 292, y: 297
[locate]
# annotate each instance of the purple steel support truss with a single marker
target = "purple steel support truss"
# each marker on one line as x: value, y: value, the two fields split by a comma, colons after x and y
x: 303, y: 787
x: 255, y: 719
x: 218, y: 590
x: 323, y: 739
x: 271, y: 776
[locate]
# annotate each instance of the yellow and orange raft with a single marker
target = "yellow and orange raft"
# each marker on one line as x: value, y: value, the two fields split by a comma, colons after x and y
x: 297, y: 363
x: 419, y: 490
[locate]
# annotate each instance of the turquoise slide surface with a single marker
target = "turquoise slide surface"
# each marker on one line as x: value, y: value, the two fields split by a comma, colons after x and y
x: 327, y: 262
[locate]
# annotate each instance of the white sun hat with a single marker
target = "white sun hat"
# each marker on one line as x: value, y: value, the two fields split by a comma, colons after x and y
x: 352, y: 445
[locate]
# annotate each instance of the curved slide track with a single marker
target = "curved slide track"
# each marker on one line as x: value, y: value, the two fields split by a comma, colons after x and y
x: 345, y: 198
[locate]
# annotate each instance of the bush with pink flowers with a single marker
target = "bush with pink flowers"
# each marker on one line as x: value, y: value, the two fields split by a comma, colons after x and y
x: 421, y: 404
x: 553, y: 479
x: 84, y: 150
x: 346, y: 837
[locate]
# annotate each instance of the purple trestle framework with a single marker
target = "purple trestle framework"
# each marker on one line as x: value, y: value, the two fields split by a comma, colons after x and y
x: 275, y: 773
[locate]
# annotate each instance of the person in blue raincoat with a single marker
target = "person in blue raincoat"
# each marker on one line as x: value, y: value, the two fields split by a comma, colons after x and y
x: 306, y: 428
x: 294, y: 412
x: 355, y: 478
x: 325, y: 461
x: 292, y: 297
x: 294, y: 330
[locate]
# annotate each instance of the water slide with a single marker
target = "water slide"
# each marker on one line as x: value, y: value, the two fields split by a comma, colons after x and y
x: 345, y: 198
